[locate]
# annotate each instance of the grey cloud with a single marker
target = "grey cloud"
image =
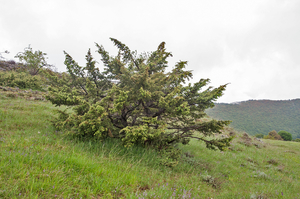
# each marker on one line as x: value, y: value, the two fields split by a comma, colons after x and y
x: 237, y: 42
x: 277, y: 31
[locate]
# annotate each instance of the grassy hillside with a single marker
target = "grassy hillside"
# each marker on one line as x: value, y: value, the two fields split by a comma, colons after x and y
x: 261, y: 116
x: 38, y: 162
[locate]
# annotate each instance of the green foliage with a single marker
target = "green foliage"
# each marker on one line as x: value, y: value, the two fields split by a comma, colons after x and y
x: 273, y: 135
x: 33, y: 60
x: 297, y: 140
x: 286, y: 136
x: 21, y: 80
x: 260, y: 116
x: 260, y: 135
x: 147, y: 106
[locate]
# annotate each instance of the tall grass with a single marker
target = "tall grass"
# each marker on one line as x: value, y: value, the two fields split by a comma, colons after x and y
x: 38, y: 162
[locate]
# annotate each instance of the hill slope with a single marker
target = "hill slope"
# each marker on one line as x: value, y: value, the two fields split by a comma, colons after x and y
x: 38, y: 162
x: 261, y: 116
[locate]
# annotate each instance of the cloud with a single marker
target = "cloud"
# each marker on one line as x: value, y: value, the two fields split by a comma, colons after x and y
x: 253, y: 45
x: 276, y: 31
x: 263, y: 61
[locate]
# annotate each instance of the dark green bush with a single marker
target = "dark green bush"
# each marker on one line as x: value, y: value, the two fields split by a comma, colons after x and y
x: 297, y: 140
x: 137, y: 101
x: 286, y: 136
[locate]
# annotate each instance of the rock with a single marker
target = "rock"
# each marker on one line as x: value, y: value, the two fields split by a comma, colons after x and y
x: 6, y: 89
x: 39, y: 98
x: 224, y: 136
x: 10, y: 65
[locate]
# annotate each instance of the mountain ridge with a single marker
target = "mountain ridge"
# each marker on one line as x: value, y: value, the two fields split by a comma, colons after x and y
x: 260, y: 116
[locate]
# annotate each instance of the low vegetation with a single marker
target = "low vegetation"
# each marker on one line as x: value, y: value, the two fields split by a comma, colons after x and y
x: 21, y: 80
x: 273, y: 135
x: 36, y: 161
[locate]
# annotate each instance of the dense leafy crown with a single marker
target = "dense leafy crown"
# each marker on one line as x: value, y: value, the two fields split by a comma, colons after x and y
x: 285, y: 135
x: 146, y: 105
x: 33, y: 60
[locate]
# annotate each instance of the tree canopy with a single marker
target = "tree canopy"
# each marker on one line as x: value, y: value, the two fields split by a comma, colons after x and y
x: 286, y: 136
x: 33, y: 60
x: 135, y: 100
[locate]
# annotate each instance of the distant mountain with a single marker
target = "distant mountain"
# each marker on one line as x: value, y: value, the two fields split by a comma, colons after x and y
x: 260, y: 116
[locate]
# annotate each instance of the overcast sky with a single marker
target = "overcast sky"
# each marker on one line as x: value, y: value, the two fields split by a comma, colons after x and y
x: 254, y: 45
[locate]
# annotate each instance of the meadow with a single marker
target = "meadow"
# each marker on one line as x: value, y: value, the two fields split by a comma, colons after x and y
x: 38, y: 162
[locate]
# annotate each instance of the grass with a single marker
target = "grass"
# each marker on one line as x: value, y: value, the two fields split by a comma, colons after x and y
x: 38, y: 162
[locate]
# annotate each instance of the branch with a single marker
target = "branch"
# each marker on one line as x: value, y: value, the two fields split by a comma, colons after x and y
x: 133, y: 108
x: 159, y: 112
x: 81, y: 86
x: 126, y: 50
x: 112, y: 121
